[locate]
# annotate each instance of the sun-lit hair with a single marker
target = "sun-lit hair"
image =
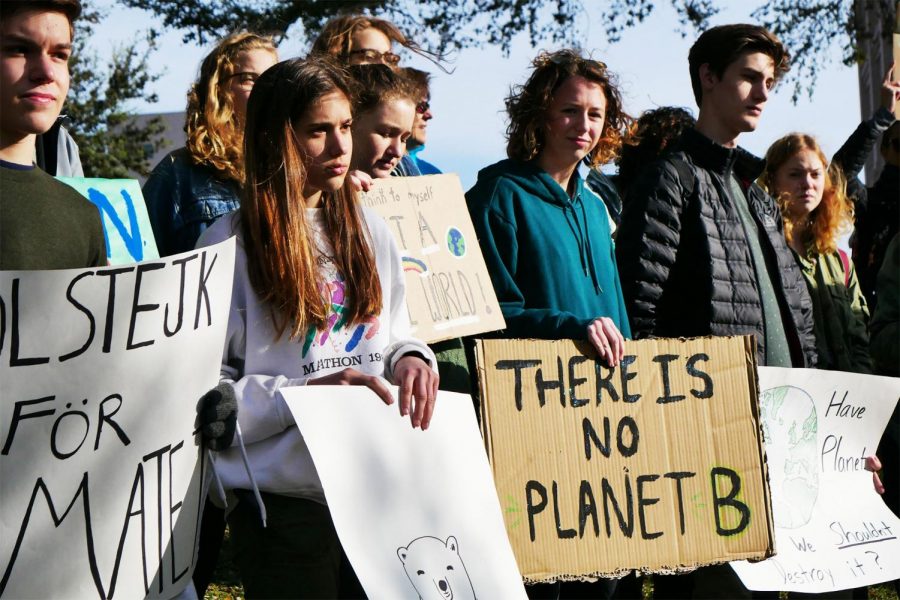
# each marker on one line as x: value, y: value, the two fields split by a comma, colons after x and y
x: 421, y: 81
x: 376, y: 83
x: 70, y: 8
x: 832, y: 216
x: 722, y: 45
x: 214, y: 137
x: 336, y: 37
x: 655, y: 132
x: 281, y: 253
x: 527, y: 106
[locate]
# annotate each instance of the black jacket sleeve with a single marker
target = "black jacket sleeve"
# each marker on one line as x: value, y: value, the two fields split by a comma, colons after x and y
x: 647, y: 243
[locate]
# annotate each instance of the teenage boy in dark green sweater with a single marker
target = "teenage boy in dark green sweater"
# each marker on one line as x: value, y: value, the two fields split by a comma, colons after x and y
x: 44, y: 224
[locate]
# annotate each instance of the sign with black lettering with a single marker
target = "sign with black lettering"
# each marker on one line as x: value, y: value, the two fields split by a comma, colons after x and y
x: 100, y: 373
x: 832, y: 529
x: 126, y: 225
x: 448, y: 289
x: 656, y: 464
x: 430, y: 526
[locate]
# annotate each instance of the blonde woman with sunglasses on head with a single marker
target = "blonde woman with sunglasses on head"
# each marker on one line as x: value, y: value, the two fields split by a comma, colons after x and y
x: 195, y: 185
x: 363, y: 40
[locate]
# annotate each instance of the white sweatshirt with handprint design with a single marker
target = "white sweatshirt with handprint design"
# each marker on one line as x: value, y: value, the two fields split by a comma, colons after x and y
x: 258, y: 365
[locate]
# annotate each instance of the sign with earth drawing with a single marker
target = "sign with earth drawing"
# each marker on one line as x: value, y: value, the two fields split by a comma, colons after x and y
x: 448, y: 289
x: 832, y: 530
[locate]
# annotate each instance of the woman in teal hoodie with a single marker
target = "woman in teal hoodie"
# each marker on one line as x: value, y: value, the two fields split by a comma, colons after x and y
x: 544, y: 235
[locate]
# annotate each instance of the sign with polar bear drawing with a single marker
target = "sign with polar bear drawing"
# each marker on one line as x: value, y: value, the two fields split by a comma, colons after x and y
x: 416, y: 511
x: 448, y: 288
x: 832, y: 530
x: 435, y: 569
x: 100, y: 372
x: 655, y: 464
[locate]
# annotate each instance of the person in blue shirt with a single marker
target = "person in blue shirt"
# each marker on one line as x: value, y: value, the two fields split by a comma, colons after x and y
x: 416, y: 143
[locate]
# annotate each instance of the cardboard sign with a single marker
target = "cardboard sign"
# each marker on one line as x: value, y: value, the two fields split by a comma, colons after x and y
x: 100, y: 373
x: 832, y: 530
x: 656, y: 464
x: 448, y: 289
x: 416, y: 511
x: 126, y: 226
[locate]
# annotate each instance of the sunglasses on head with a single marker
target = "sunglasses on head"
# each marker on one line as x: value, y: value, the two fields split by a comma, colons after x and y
x: 374, y: 56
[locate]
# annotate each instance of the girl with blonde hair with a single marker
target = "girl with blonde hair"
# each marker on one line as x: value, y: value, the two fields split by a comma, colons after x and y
x: 193, y: 186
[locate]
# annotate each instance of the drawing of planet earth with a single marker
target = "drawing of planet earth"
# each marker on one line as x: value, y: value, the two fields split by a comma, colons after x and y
x: 456, y: 243
x: 789, y: 427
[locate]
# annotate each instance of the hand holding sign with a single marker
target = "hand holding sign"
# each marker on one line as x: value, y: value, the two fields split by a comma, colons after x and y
x: 416, y: 380
x: 607, y: 339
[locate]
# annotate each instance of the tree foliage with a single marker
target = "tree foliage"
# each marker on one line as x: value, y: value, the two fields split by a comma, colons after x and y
x: 109, y: 142
x: 808, y: 27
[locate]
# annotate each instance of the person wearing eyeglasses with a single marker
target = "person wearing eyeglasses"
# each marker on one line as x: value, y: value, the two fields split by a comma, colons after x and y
x: 412, y: 163
x: 193, y: 186
x: 361, y: 40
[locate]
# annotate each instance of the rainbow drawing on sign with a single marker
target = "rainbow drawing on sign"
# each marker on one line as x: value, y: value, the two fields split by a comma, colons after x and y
x: 415, y: 265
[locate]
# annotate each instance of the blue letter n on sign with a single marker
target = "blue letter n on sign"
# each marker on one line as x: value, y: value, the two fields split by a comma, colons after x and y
x: 131, y: 236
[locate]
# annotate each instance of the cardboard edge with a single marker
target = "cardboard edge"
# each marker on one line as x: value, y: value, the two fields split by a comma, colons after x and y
x: 482, y: 396
x: 753, y: 380
x: 749, y: 343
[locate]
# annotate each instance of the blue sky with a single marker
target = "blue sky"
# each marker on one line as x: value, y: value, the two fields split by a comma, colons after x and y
x: 467, y: 132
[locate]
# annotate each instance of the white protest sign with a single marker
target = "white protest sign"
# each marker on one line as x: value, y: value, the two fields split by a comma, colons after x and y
x: 100, y: 373
x: 832, y: 530
x: 416, y: 511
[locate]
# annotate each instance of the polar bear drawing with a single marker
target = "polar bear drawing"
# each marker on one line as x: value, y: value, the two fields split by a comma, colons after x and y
x: 436, y: 570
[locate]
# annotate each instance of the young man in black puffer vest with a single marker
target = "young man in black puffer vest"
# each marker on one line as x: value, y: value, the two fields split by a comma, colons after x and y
x: 701, y: 248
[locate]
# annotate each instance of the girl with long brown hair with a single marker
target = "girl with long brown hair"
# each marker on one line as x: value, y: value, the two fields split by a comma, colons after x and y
x: 318, y: 299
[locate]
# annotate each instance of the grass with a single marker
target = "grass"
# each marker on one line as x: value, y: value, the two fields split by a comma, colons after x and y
x: 226, y: 582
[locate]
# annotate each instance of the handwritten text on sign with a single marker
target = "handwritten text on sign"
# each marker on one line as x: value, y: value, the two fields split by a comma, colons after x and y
x: 100, y: 372
x: 126, y: 226
x: 654, y: 464
x: 448, y: 289
x: 832, y: 530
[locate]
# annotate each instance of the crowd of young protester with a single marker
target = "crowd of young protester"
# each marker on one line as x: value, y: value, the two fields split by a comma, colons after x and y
x: 682, y: 242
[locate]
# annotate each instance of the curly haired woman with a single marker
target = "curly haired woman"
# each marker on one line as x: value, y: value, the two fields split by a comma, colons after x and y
x: 193, y: 186
x: 545, y: 236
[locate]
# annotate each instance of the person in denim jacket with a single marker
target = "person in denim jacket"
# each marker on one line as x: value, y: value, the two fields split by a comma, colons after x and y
x: 193, y: 186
